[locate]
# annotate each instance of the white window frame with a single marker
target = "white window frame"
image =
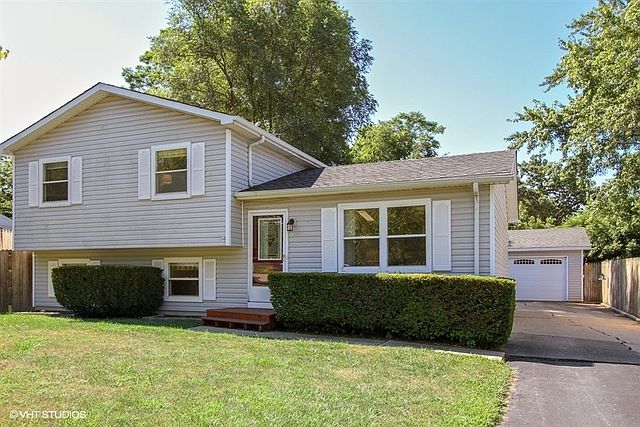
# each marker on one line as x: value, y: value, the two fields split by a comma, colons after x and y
x: 279, y: 219
x: 41, y: 182
x: 167, y: 273
x: 164, y: 147
x: 383, y: 235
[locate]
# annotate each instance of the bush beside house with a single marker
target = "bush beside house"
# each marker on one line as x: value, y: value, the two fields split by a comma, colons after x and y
x: 467, y: 310
x: 109, y: 290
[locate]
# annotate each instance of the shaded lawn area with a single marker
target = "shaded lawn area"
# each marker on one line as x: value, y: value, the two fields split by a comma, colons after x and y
x: 155, y: 372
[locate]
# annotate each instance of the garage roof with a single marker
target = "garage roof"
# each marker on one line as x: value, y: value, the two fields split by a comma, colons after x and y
x: 550, y: 239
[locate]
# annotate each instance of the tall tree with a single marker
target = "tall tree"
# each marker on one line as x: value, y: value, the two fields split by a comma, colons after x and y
x: 612, y: 216
x: 296, y: 67
x: 6, y: 186
x: 597, y: 128
x: 405, y: 136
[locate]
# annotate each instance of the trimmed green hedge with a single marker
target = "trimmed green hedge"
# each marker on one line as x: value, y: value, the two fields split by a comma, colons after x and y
x: 109, y: 290
x: 467, y: 310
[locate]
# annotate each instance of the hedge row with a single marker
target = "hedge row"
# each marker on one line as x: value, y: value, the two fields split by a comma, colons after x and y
x: 109, y: 290
x: 467, y: 310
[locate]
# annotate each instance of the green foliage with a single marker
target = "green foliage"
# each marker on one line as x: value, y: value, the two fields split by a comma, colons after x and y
x: 468, y: 310
x: 6, y: 186
x: 296, y: 67
x: 612, y: 216
x: 595, y: 132
x: 109, y: 290
x: 549, y: 192
x: 405, y: 136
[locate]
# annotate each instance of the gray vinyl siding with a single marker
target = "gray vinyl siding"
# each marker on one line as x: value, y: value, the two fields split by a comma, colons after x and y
x: 501, y: 231
x: 231, y: 274
x: 485, y: 262
x: 574, y: 268
x: 268, y: 164
x: 305, y: 240
x: 108, y: 136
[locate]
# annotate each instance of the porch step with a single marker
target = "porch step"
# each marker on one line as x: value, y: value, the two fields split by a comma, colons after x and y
x: 241, y: 318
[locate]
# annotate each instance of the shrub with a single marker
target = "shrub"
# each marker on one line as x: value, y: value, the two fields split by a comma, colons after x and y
x: 467, y: 310
x: 109, y: 290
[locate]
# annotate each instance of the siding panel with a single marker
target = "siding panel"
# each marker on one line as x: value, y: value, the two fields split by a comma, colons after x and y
x: 108, y: 136
x: 231, y: 275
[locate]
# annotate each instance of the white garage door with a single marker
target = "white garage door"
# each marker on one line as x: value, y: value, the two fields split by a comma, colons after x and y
x: 539, y: 279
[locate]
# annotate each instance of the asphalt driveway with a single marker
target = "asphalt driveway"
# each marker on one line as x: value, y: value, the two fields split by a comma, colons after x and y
x: 576, y: 365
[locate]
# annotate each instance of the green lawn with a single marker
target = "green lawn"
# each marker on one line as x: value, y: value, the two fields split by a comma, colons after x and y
x: 158, y: 373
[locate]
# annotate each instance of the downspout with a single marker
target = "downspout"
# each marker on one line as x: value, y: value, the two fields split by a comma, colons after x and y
x: 476, y: 229
x: 250, y: 158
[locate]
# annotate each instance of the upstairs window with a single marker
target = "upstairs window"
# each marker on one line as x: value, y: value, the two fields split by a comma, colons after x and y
x: 55, y: 181
x: 171, y: 170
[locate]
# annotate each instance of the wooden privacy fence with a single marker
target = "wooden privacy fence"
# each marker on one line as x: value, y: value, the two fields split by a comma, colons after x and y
x: 592, y: 285
x: 15, y: 281
x: 616, y: 281
x: 6, y: 239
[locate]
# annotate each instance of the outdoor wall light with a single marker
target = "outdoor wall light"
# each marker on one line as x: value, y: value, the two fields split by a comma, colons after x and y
x: 290, y: 224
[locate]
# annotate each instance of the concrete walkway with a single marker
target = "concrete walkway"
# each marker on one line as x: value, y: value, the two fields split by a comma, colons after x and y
x: 576, y: 365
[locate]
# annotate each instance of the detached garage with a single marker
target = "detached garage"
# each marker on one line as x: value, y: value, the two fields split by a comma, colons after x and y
x: 547, y: 264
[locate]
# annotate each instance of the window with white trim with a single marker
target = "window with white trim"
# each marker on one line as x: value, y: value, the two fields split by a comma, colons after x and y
x: 523, y: 262
x: 171, y: 170
x: 54, y: 181
x: 183, y: 279
x: 551, y: 261
x: 384, y: 236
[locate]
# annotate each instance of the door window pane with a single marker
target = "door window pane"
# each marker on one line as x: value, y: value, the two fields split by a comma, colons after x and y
x: 361, y: 252
x: 407, y: 251
x: 361, y: 222
x: 270, y: 239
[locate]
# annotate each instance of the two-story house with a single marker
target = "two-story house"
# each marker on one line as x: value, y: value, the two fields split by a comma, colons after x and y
x: 120, y: 177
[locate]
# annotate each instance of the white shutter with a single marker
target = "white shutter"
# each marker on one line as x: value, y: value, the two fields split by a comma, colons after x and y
x: 329, y: 230
x: 76, y: 180
x: 441, y: 219
x: 209, y: 279
x: 94, y: 262
x: 34, y: 185
x: 51, y: 266
x: 197, y: 169
x: 144, y: 174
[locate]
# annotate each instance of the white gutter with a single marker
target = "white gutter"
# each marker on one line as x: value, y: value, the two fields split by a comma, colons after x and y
x: 250, y: 158
x: 367, y: 188
x: 551, y: 248
x: 476, y: 228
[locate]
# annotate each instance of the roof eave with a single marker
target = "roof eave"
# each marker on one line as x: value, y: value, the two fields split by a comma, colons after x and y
x: 367, y: 188
x: 550, y: 248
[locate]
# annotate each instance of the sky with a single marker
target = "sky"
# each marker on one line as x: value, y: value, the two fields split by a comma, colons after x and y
x: 470, y: 65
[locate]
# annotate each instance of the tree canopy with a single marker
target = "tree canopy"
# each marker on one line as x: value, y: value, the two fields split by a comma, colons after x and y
x: 595, y: 133
x: 405, y: 136
x: 296, y: 67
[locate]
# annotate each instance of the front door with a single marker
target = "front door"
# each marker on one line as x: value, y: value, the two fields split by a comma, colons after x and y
x: 268, y: 253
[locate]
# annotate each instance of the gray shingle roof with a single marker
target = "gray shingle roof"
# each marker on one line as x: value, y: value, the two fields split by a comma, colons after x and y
x: 498, y: 163
x: 575, y: 237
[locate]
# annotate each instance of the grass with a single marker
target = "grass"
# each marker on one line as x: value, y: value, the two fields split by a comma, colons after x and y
x: 155, y: 372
